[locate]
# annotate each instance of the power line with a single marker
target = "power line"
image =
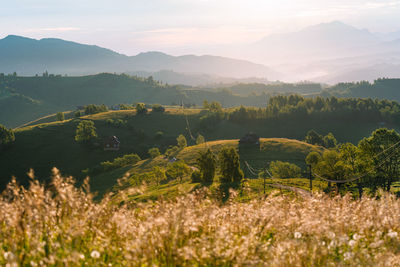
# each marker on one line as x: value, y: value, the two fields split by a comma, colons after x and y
x: 356, y: 178
x: 383, y: 151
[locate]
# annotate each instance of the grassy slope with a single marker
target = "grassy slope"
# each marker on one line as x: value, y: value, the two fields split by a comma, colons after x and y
x: 270, y: 149
x: 33, y: 97
x: 52, y: 144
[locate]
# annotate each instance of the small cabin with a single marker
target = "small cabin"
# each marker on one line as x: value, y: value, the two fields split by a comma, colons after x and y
x: 111, y: 143
x: 250, y: 139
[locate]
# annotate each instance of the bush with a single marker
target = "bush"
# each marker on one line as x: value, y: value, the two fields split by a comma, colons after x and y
x: 280, y: 169
x: 200, y: 139
x: 85, y: 132
x: 196, y: 177
x: 94, y: 109
x: 123, y: 161
x: 177, y: 170
x: 141, y: 109
x: 154, y: 152
x: 172, y: 151
x: 60, y: 116
x: 6, y: 136
x: 158, y: 108
x: 182, y: 143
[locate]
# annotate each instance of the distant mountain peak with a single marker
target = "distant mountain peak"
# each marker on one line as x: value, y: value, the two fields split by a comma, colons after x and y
x: 15, y: 37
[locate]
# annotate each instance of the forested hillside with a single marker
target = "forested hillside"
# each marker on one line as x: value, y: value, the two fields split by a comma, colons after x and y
x: 23, y: 99
x: 382, y: 88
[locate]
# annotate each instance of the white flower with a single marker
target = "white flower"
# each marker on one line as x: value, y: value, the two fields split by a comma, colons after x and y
x: 347, y: 255
x: 95, y: 254
x: 9, y: 256
x: 352, y: 243
x: 392, y: 234
x: 82, y: 257
x: 297, y: 235
x: 356, y: 236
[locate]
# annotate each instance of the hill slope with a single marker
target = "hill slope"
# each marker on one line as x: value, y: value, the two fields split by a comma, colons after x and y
x: 44, y: 146
x: 23, y: 99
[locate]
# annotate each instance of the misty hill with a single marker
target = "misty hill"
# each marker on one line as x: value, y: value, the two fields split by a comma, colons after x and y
x: 315, y: 42
x: 193, y: 79
x: 329, y: 52
x: 29, y: 57
x: 381, y: 89
x: 23, y: 99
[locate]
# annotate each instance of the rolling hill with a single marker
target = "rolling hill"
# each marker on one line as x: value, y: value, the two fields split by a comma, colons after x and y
x: 24, y: 99
x: 46, y: 145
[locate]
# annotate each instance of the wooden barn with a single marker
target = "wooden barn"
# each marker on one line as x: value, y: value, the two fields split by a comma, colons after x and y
x: 112, y: 143
x: 250, y: 139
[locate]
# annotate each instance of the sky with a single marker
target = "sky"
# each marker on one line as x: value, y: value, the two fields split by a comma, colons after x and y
x: 182, y: 26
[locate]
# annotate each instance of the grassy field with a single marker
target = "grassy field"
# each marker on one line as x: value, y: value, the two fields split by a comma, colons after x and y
x: 63, y: 226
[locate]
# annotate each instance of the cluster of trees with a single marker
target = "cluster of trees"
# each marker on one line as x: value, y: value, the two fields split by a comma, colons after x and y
x: 227, y: 162
x: 374, y: 163
x: 280, y: 169
x: 176, y: 170
x: 6, y: 136
x: 123, y: 161
x: 142, y: 108
x: 382, y: 88
x: 94, y: 109
x: 118, y: 123
x: 327, y: 141
x: 212, y: 115
x: 299, y: 107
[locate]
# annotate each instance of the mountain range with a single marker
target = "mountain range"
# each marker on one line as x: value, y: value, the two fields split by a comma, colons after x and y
x: 330, y: 52
x: 29, y: 57
x: 327, y: 53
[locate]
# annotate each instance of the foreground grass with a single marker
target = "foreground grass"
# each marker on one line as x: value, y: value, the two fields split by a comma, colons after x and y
x: 63, y: 226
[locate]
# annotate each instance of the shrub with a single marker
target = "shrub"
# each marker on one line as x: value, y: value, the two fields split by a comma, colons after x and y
x: 154, y: 152
x: 60, y: 116
x: 182, y: 143
x: 123, y: 161
x: 280, y: 169
x: 177, y: 170
x: 94, y: 109
x: 6, y: 136
x: 85, y: 131
x: 158, y: 108
x: 141, y: 109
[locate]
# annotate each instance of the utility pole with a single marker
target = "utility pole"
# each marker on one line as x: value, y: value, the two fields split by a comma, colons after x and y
x: 310, y: 177
x: 265, y: 174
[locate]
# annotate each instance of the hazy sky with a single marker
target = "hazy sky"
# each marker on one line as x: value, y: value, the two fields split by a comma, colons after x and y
x: 179, y: 26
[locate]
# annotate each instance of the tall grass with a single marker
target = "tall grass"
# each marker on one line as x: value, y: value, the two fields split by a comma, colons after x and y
x: 61, y: 225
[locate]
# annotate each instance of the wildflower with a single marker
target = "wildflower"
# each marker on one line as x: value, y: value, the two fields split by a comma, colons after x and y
x: 392, y: 234
x: 352, y: 243
x: 356, y: 236
x: 297, y: 235
x: 348, y: 256
x: 9, y: 256
x: 95, y: 254
x: 82, y: 257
